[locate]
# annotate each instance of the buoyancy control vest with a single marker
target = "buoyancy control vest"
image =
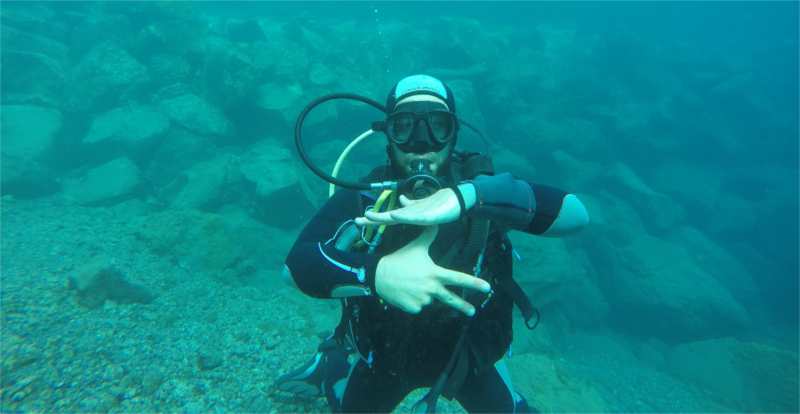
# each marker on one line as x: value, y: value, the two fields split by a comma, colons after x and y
x: 418, y: 347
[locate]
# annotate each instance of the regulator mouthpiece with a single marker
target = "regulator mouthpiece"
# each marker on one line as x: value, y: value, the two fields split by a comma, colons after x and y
x: 422, y: 182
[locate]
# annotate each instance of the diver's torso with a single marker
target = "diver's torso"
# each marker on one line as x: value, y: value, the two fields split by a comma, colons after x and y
x: 418, y: 346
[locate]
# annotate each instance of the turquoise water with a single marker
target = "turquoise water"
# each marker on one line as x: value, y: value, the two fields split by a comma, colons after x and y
x: 151, y: 190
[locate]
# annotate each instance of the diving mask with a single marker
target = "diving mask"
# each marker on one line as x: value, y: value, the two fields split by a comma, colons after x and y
x: 440, y: 125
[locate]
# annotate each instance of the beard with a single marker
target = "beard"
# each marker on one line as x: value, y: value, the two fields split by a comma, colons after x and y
x: 401, y: 162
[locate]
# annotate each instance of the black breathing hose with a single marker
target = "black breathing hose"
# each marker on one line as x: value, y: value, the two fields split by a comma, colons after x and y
x: 298, y: 139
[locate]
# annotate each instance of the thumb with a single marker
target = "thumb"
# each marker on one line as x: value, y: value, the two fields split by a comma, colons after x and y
x: 405, y: 201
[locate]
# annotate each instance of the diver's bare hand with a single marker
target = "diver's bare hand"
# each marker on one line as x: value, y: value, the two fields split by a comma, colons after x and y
x: 438, y: 208
x: 410, y: 280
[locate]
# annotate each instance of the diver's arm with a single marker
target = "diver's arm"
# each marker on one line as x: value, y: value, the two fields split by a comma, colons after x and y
x: 524, y: 206
x: 316, y: 267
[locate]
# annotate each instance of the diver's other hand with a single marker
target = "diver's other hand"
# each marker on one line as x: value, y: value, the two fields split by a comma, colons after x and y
x: 410, y: 280
x: 438, y: 208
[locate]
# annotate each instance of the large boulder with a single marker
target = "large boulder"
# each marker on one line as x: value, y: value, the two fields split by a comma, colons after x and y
x: 289, y: 58
x: 28, y: 131
x: 558, y: 279
x: 167, y: 69
x: 749, y: 376
x: 99, y: 280
x: 659, y: 290
x: 177, y: 152
x: 28, y: 134
x: 695, y: 185
x: 231, y: 72
x: 206, y: 184
x: 42, y: 62
x: 270, y: 166
x: 105, y: 75
x: 35, y: 19
x: 132, y: 127
x: 321, y: 75
x: 721, y: 201
x: 103, y: 184
x: 575, y: 175
x: 196, y: 114
x: 661, y: 211
x: 725, y: 267
x: 284, y: 98
x: 550, y: 386
x: 614, y: 223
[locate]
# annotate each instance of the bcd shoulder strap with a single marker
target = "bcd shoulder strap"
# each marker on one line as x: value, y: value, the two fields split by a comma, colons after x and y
x: 473, y: 164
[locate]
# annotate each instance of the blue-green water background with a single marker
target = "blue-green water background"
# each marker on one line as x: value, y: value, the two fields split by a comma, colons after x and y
x: 675, y: 122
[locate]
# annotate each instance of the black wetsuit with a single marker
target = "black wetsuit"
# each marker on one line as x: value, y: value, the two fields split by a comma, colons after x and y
x: 404, y: 351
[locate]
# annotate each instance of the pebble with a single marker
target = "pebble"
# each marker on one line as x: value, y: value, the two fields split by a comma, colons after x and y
x: 207, y: 361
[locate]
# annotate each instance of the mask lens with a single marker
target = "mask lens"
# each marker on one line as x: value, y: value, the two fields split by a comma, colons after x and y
x: 442, y: 125
x: 400, y: 126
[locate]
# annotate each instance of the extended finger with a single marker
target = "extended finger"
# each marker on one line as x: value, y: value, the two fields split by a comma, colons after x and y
x: 455, y: 278
x: 411, y: 215
x: 405, y: 201
x: 451, y: 299
x: 383, y: 217
x: 363, y: 221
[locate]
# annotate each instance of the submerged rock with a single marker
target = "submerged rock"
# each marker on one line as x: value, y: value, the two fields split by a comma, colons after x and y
x: 169, y: 69
x: 321, y: 74
x: 196, y: 114
x: 28, y: 131
x: 30, y: 41
x: 205, y: 184
x: 105, y: 74
x: 41, y: 81
x: 28, y: 134
x: 550, y: 387
x: 284, y: 98
x: 99, y: 280
x: 750, y: 376
x: 129, y: 126
x: 105, y: 183
x: 658, y: 289
x: 207, y: 361
x: 719, y: 263
x: 270, y: 166
x: 662, y: 212
x: 558, y: 279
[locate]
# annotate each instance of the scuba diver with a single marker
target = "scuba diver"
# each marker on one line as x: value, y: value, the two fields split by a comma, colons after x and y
x: 419, y: 256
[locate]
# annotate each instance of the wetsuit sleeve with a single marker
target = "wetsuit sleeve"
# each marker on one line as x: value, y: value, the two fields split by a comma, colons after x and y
x: 525, y: 206
x: 321, y: 270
